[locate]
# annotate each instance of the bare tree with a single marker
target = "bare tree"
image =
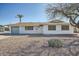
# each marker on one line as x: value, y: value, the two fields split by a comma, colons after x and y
x: 68, y: 10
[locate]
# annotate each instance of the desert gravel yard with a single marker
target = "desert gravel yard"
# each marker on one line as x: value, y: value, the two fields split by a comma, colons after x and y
x: 36, y: 45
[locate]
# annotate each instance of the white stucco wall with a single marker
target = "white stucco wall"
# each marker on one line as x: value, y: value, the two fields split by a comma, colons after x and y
x: 42, y: 30
x: 36, y: 30
x: 58, y: 30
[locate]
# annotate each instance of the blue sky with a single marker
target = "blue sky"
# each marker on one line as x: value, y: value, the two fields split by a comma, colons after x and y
x: 32, y: 12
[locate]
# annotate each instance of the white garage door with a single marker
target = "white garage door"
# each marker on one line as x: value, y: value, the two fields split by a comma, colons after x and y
x: 15, y: 30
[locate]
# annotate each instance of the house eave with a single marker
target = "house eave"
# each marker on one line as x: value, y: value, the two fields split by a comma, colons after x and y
x: 37, y: 24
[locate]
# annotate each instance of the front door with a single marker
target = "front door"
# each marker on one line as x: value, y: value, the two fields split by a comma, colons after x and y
x: 15, y: 30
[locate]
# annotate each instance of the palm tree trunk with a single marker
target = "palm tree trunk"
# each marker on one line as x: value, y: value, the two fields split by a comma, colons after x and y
x: 20, y: 20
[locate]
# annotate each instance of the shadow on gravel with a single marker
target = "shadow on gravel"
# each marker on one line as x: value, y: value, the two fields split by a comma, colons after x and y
x: 57, y: 35
x: 42, y: 35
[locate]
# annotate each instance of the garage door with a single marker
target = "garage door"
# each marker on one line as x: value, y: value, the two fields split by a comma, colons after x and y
x: 15, y: 30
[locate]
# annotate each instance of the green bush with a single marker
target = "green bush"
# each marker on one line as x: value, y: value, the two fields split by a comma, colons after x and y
x: 55, y: 43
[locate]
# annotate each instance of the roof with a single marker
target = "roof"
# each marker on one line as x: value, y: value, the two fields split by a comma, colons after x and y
x: 27, y: 24
x: 38, y: 23
x: 56, y: 21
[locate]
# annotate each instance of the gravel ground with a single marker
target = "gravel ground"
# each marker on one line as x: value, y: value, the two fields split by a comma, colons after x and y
x: 28, y: 45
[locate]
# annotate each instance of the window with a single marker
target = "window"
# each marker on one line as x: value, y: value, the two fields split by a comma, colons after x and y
x: 51, y: 27
x: 28, y: 27
x: 1, y: 30
x: 6, y: 29
x: 65, y: 27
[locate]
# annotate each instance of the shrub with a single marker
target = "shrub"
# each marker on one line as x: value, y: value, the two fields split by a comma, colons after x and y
x: 55, y: 43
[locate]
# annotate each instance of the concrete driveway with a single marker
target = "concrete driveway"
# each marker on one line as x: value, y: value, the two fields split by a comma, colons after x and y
x: 4, y: 36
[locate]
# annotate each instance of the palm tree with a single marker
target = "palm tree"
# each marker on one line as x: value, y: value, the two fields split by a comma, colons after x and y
x: 20, y: 16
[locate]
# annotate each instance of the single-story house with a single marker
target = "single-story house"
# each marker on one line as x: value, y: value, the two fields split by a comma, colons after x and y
x: 52, y: 27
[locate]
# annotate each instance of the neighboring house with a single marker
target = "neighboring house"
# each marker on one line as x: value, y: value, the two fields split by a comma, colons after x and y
x: 52, y: 27
x: 1, y: 29
x: 5, y: 30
